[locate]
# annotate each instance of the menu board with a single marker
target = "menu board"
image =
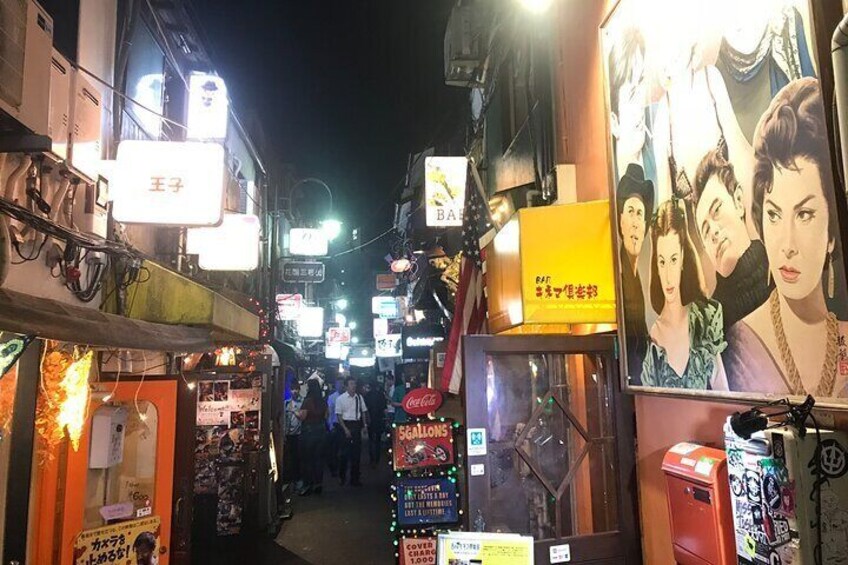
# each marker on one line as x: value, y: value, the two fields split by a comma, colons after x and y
x: 430, y: 500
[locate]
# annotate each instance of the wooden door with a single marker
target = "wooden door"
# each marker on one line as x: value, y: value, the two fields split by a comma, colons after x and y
x: 145, y: 475
x: 559, y: 453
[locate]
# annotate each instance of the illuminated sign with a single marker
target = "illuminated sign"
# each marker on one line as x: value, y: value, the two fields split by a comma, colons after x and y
x: 332, y: 350
x: 232, y: 246
x: 388, y: 345
x: 422, y: 341
x: 307, y: 242
x: 168, y: 183
x: 208, y: 107
x: 381, y: 327
x: 288, y: 306
x: 303, y: 272
x: 419, y: 340
x: 362, y: 361
x: 338, y: 335
x: 444, y: 190
x: 385, y: 307
x: 311, y: 322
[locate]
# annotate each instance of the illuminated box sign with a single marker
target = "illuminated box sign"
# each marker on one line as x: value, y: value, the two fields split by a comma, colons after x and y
x: 303, y: 272
x: 288, y: 306
x: 168, y: 183
x: 311, y: 322
x: 388, y: 345
x: 418, y: 340
x: 307, y: 242
x: 444, y: 190
x: 232, y: 246
x: 385, y: 306
x: 426, y: 501
x: 332, y: 350
x: 422, y: 444
x: 208, y: 107
x: 338, y: 335
x: 381, y: 327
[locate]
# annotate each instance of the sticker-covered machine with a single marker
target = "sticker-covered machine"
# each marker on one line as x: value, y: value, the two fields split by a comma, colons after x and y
x: 699, y: 505
x: 774, y: 487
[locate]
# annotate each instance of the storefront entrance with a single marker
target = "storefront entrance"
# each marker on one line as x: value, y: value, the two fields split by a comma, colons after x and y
x: 551, y: 446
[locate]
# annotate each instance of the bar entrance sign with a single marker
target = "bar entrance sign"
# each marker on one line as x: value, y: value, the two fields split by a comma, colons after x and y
x: 303, y: 272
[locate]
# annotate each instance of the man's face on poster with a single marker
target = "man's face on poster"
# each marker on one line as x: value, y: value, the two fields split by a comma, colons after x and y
x: 721, y: 225
x: 632, y: 225
x: 628, y: 120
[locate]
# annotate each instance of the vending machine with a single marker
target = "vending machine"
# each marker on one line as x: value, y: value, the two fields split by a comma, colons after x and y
x: 775, y: 485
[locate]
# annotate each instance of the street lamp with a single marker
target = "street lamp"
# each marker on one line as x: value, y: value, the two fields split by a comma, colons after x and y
x: 341, y: 304
x: 331, y: 229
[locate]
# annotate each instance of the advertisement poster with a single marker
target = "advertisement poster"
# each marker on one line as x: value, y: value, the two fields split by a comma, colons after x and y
x: 426, y: 501
x: 471, y: 548
x: 114, y: 544
x: 730, y: 259
x: 444, y: 188
x: 422, y: 444
x: 417, y: 551
x: 387, y: 345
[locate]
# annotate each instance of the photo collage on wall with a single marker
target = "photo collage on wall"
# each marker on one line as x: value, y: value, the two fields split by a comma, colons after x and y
x: 227, y: 427
x: 731, y: 279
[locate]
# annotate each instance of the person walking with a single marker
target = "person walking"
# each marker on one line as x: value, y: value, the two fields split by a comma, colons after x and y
x: 397, y: 400
x: 334, y: 440
x: 313, y: 414
x: 291, y: 454
x: 375, y: 400
x: 352, y: 415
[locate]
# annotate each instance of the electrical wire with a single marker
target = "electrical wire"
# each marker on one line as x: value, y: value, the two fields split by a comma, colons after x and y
x: 366, y: 244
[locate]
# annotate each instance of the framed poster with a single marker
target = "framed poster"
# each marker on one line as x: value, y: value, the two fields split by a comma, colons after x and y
x: 730, y: 268
x: 422, y: 444
x: 422, y: 501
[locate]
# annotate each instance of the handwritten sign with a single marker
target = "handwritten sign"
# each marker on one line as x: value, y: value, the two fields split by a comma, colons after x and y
x: 487, y: 548
x: 118, y: 543
x: 426, y: 501
x: 422, y: 444
x: 418, y: 551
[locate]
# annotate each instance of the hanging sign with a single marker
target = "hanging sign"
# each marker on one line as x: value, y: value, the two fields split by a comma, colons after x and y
x: 386, y: 281
x: 338, y: 335
x: 422, y: 444
x: 430, y: 500
x: 487, y: 548
x: 381, y: 327
x: 119, y: 543
x: 232, y: 246
x: 303, y: 272
x: 418, y: 551
x: 288, y: 306
x: 309, y: 242
x: 208, y: 107
x: 418, y: 340
x: 177, y: 183
x: 311, y: 322
x: 388, y: 345
x: 385, y: 306
x: 444, y: 188
x: 422, y: 401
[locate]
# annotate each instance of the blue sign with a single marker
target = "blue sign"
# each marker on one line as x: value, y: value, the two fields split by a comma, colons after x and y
x: 426, y: 501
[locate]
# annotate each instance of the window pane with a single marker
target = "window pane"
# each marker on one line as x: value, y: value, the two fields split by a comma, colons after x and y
x: 132, y: 480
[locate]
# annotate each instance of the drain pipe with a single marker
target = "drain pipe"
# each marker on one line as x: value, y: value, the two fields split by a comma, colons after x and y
x: 839, y: 56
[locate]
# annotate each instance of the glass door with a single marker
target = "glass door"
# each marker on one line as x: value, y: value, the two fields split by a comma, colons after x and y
x: 559, y: 453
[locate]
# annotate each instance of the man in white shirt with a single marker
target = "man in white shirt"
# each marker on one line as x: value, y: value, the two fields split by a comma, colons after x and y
x: 352, y: 417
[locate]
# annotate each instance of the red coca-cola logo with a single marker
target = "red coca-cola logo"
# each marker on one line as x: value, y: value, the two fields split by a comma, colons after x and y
x: 421, y: 401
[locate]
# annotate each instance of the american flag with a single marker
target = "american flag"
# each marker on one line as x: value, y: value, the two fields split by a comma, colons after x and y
x: 470, y: 310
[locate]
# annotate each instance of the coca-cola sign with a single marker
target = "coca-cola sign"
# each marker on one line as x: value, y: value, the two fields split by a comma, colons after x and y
x: 421, y: 401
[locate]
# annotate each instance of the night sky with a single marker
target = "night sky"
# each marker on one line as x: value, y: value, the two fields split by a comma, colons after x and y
x: 345, y: 89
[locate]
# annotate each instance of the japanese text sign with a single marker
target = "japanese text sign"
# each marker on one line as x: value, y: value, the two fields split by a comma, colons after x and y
x: 487, y: 548
x: 422, y: 444
x: 426, y: 501
x: 168, y: 183
x: 288, y: 306
x: 114, y: 544
x: 338, y: 335
x: 303, y: 272
x: 418, y: 551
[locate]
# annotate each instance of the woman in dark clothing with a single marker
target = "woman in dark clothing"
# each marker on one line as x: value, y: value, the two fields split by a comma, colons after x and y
x: 313, y: 435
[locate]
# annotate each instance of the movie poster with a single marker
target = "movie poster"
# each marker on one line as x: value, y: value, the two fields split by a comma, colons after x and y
x: 730, y: 264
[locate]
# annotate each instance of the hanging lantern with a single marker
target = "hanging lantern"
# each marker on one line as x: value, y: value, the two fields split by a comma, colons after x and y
x: 72, y: 411
x: 401, y: 265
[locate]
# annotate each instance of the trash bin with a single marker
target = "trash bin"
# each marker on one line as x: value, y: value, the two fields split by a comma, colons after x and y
x: 699, y: 505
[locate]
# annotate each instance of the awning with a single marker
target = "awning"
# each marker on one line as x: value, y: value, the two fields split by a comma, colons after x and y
x: 50, y: 319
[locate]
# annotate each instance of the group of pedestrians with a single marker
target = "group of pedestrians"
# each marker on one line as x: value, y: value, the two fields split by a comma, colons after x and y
x: 331, y: 430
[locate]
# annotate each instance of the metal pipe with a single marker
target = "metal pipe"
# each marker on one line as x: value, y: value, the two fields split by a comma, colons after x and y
x: 14, y: 179
x: 839, y: 56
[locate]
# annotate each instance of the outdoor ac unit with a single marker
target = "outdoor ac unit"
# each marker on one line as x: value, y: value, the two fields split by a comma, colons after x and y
x: 25, y: 50
x: 86, y: 133
x: 60, y: 104
x: 465, y: 46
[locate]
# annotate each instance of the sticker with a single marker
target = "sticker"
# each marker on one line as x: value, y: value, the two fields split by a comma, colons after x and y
x: 560, y: 553
x: 683, y: 448
x: 774, y: 559
x: 119, y: 511
x: 771, y: 492
x: 752, y: 486
x: 705, y: 466
x: 688, y: 461
x: 750, y: 545
x: 476, y: 441
x: 478, y: 470
x: 833, y: 459
x: 736, y: 486
x: 144, y: 511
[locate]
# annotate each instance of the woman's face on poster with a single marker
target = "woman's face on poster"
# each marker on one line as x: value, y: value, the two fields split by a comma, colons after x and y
x: 751, y: 18
x: 629, y: 125
x: 670, y: 265
x: 795, y: 229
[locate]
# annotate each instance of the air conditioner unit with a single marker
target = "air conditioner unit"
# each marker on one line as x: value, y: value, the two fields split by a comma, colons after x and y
x: 60, y: 104
x: 86, y: 133
x: 466, y: 39
x: 25, y: 51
